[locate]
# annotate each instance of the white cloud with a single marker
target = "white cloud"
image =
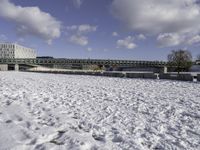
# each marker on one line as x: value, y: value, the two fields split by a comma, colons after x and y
x: 175, y: 39
x: 194, y: 40
x: 31, y: 21
x: 79, y: 39
x: 159, y: 16
x: 141, y: 37
x: 126, y: 43
x: 79, y: 33
x: 85, y: 28
x: 77, y: 3
x: 165, y: 17
x: 82, y: 29
x: 169, y: 39
x: 115, y: 34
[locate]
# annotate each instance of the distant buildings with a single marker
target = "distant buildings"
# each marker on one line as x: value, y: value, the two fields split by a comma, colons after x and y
x: 198, y: 62
x: 45, y: 57
x: 13, y: 50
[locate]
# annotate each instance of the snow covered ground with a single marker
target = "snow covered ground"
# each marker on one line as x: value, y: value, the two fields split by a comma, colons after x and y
x: 60, y: 112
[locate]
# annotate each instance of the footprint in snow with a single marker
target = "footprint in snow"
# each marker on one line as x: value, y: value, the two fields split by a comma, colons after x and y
x: 98, y: 134
x: 117, y: 139
x: 18, y: 118
x: 8, y: 121
x: 8, y: 102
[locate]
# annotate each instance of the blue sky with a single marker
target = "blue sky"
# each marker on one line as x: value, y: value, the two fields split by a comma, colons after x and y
x: 102, y: 29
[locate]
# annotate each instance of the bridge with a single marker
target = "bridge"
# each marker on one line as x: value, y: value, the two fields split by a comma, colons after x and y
x: 64, y: 63
x: 44, y: 61
x: 83, y: 63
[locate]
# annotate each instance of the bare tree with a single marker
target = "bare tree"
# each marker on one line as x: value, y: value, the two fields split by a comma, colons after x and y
x: 181, y: 60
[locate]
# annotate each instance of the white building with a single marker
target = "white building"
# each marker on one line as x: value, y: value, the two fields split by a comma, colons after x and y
x: 13, y: 50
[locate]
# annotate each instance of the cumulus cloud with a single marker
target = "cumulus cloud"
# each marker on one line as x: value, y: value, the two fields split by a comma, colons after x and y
x: 79, y: 33
x: 81, y: 29
x: 169, y: 39
x: 194, y: 40
x: 175, y: 39
x: 115, y: 34
x: 154, y: 16
x: 79, y: 39
x: 126, y: 43
x: 86, y: 28
x: 31, y: 21
x: 168, y: 18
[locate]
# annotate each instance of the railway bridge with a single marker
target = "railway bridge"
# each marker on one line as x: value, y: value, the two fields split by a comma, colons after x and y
x: 63, y: 63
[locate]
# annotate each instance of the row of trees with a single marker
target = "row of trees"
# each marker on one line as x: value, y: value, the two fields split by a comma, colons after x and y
x: 181, y: 60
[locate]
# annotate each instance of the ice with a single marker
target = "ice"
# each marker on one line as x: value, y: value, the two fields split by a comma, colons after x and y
x: 55, y: 112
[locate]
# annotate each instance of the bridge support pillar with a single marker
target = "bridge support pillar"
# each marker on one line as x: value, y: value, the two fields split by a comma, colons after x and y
x: 16, y: 67
x: 165, y: 69
x: 3, y: 67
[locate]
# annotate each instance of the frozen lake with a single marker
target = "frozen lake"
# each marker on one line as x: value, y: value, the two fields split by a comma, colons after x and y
x: 59, y: 112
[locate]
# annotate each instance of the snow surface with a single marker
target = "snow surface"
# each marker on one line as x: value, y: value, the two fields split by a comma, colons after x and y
x: 58, y: 112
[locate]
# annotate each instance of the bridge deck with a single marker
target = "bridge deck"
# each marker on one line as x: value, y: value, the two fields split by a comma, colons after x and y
x: 63, y: 61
